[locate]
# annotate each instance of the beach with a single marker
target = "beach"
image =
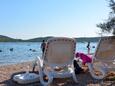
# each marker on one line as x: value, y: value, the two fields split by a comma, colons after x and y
x: 85, y: 79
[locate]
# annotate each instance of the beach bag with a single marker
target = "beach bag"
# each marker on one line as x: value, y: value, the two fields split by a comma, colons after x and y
x: 77, y: 69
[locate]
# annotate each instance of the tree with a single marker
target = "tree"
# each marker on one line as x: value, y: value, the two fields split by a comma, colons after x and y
x: 109, y: 25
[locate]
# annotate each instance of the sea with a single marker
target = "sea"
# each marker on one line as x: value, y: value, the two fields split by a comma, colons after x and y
x: 18, y: 52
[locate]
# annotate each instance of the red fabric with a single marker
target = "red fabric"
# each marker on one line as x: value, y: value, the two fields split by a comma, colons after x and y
x: 85, y: 58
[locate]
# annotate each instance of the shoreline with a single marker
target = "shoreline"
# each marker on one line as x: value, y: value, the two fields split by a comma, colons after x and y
x: 84, y: 79
x: 18, y: 63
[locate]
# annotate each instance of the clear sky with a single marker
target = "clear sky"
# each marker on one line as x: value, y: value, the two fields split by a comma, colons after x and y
x: 25, y: 19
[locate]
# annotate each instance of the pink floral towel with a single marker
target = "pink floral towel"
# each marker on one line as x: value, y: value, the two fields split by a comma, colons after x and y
x: 85, y: 58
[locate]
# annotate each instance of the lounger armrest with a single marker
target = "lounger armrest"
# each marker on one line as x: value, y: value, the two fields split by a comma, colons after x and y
x: 92, y: 72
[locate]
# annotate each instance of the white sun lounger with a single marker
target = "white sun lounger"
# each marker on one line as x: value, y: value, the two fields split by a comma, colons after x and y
x: 57, y: 61
x: 104, y: 58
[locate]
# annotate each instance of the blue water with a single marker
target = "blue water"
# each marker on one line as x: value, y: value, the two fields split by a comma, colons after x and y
x: 28, y: 51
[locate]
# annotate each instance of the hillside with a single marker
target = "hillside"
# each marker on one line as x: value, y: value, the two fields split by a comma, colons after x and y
x: 83, y: 39
x: 88, y: 39
x: 39, y: 39
x: 8, y: 39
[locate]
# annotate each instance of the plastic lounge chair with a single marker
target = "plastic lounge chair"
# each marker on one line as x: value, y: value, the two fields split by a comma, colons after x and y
x: 104, y: 58
x: 57, y: 61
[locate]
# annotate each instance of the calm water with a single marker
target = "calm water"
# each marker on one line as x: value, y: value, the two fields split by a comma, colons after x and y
x: 28, y: 51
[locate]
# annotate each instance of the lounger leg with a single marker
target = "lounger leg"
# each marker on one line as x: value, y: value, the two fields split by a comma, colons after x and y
x: 46, y: 83
x: 75, y: 78
x: 73, y: 74
x: 33, y: 69
x: 41, y: 74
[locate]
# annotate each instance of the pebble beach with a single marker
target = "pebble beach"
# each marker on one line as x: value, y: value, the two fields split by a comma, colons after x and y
x: 85, y: 79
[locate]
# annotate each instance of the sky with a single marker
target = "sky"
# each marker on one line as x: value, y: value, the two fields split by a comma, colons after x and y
x: 25, y: 19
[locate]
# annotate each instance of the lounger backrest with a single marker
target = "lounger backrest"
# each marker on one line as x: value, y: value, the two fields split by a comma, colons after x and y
x: 60, y: 51
x: 106, y: 50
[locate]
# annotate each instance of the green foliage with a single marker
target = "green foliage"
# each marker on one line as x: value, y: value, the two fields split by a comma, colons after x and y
x: 109, y: 25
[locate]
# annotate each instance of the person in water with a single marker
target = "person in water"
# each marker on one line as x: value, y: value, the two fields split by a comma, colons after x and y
x: 43, y: 46
x: 88, y: 48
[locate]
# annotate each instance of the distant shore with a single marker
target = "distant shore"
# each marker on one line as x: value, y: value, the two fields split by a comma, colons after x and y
x: 39, y: 39
x: 85, y: 78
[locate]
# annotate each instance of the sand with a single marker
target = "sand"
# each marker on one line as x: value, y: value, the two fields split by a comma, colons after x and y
x: 85, y: 79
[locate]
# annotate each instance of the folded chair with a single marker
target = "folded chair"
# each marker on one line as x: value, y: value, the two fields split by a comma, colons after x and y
x: 104, y: 58
x: 57, y: 60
